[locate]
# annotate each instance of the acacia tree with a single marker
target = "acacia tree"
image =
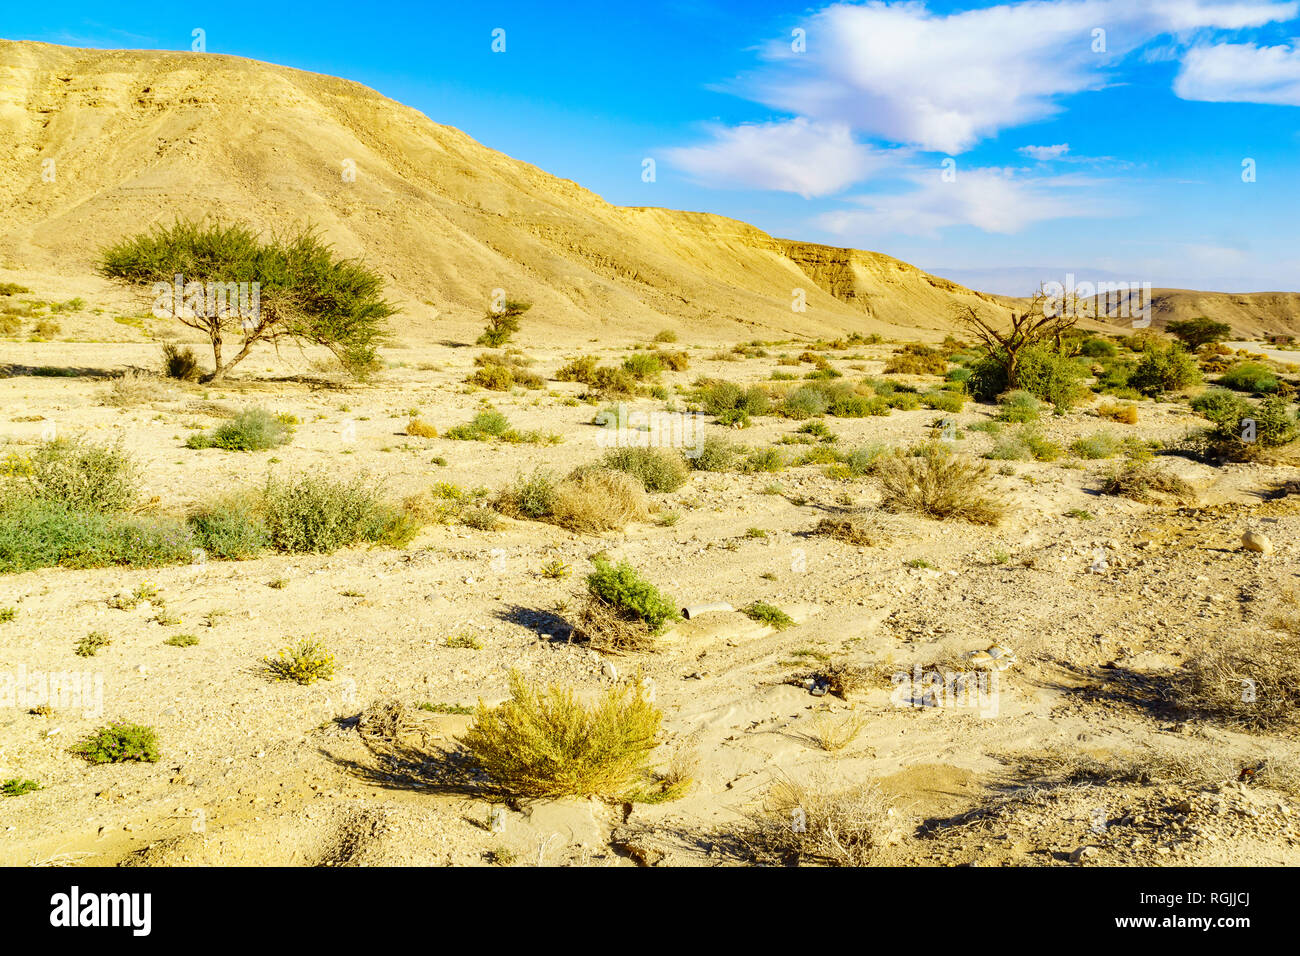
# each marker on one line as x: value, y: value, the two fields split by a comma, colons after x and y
x: 1199, y: 331
x: 224, y: 281
x: 503, y: 323
x: 1037, y: 324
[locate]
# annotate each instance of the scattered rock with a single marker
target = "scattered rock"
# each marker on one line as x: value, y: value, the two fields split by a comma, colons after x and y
x: 1257, y: 542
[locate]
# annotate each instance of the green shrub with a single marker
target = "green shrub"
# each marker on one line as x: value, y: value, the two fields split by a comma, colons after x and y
x: 119, y: 743
x: 917, y: 360
x: 606, y: 380
x: 761, y: 460
x: 716, y: 454
x: 486, y: 425
x: 1275, y: 422
x: 1044, y: 373
x: 1096, y: 446
x: 843, y: 403
x: 77, y: 475
x: 657, y: 469
x: 1164, y: 369
x: 311, y: 513
x: 17, y: 787
x: 231, y: 529
x: 943, y: 401
x: 643, y: 365
x: 546, y: 743
x: 303, y: 663
x: 496, y: 378
x: 1249, y: 377
x: 1051, y: 377
x: 1024, y: 445
x: 42, y: 534
x: 1018, y: 406
x: 768, y: 614
x: 903, y: 401
x: 581, y: 369
x: 622, y: 588
x: 861, y: 461
x: 92, y: 644
x: 1093, y: 347
x: 253, y: 429
x: 732, y: 404
x: 533, y: 497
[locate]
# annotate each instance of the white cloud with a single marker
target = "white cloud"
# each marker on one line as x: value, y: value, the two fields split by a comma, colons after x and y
x: 1241, y: 73
x: 798, y: 156
x: 1045, y: 154
x: 898, y: 72
x: 993, y: 200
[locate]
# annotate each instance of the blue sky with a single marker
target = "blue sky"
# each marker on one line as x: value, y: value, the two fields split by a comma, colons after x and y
x: 1109, y: 155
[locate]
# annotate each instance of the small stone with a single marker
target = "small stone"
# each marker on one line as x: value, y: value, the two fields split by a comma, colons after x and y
x: 1257, y: 542
x: 1083, y: 853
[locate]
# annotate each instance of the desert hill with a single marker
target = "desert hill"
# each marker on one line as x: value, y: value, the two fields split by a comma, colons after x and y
x: 97, y: 144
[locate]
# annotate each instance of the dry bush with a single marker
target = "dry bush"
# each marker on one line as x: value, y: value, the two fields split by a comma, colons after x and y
x: 421, y: 429
x: 1055, y: 766
x: 1124, y: 412
x: 1143, y: 482
x: 798, y: 825
x: 675, y: 361
x: 844, y: 679
x: 602, y: 627
x: 939, y: 484
x: 134, y: 387
x: 856, y: 529
x: 592, y: 500
x: 544, y: 742
x: 1249, y: 679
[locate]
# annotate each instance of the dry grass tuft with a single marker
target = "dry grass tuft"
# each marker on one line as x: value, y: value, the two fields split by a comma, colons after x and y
x: 812, y: 825
x: 134, y: 387
x: 939, y: 484
x: 1140, y: 481
x: 855, y: 529
x: 832, y: 733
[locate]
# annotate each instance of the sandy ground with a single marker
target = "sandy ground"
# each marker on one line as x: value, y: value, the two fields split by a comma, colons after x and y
x: 259, y: 772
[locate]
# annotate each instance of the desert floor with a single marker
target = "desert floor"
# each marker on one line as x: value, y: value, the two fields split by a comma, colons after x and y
x: 344, y: 772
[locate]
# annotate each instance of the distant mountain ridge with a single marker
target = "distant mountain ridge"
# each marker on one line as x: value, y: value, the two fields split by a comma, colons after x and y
x: 99, y: 144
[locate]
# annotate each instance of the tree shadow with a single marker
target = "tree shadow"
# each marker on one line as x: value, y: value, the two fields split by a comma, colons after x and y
x: 547, y: 625
x: 14, y: 370
x: 407, y: 759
